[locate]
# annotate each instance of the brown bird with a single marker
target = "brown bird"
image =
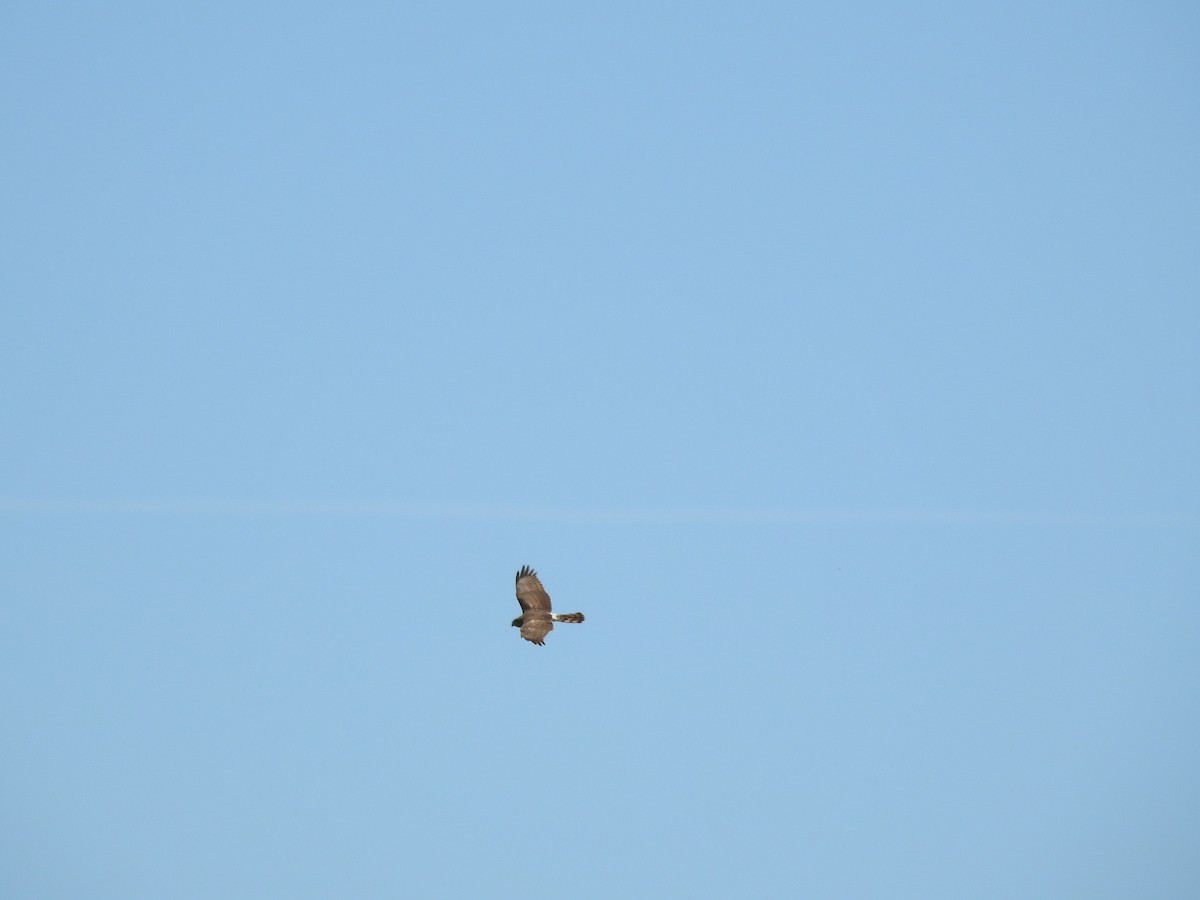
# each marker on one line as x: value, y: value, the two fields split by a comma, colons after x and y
x: 536, y: 620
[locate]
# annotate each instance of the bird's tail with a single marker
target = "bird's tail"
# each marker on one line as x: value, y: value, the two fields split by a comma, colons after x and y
x: 567, y: 617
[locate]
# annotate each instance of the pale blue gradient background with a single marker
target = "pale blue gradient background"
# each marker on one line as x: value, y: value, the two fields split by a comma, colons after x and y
x: 839, y: 362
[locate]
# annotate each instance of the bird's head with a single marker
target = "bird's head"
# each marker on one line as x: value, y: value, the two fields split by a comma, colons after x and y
x: 518, y: 621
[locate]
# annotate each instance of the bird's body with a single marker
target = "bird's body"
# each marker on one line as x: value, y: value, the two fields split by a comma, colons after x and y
x: 537, y: 619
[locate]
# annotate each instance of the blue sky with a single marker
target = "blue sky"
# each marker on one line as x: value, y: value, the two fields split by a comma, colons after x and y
x: 839, y: 362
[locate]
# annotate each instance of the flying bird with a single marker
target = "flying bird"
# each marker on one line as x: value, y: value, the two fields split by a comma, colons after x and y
x: 536, y: 620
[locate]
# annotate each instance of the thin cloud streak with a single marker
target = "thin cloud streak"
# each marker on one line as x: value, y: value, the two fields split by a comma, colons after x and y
x: 585, y: 515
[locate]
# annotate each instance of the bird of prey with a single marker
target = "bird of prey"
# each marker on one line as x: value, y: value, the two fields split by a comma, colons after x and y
x: 536, y: 620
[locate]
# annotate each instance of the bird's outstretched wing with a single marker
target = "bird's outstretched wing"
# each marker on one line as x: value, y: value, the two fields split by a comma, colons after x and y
x: 536, y: 625
x: 531, y: 595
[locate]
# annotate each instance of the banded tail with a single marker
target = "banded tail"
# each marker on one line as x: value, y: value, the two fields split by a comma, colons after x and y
x: 567, y: 617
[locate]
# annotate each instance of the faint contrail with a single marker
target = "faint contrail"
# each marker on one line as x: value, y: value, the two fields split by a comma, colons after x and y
x: 614, y: 515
